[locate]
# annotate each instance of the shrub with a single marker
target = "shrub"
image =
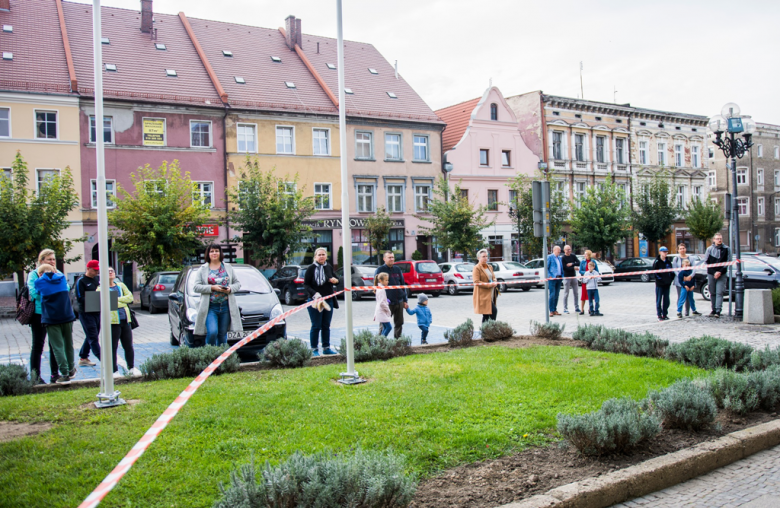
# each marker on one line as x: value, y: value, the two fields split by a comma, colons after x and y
x: 462, y: 335
x: 588, y: 333
x: 187, y: 362
x: 762, y: 359
x: 13, y: 380
x: 551, y: 331
x: 287, y: 354
x: 743, y: 393
x: 325, y: 480
x: 684, y: 405
x: 492, y: 331
x: 372, y: 346
x: 776, y: 300
x: 711, y: 353
x: 619, y: 425
x: 417, y: 255
x: 637, y: 344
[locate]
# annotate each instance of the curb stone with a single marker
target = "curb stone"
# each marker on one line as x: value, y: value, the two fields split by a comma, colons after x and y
x: 657, y: 473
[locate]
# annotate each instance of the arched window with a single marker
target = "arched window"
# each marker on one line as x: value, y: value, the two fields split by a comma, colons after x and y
x: 494, y: 111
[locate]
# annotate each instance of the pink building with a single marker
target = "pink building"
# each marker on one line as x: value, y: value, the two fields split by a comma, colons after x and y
x: 484, y: 146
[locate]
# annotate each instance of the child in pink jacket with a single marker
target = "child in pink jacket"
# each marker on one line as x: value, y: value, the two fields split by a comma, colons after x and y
x: 382, y: 312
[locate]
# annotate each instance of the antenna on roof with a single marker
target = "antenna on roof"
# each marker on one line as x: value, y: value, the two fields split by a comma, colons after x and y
x: 396, y: 69
x: 490, y: 83
x: 614, y: 94
x: 582, y: 91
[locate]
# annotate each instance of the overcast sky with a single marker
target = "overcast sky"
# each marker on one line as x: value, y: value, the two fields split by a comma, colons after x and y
x: 656, y: 54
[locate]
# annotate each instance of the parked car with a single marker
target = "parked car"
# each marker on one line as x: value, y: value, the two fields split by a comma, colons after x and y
x: 535, y: 264
x: 421, y: 272
x: 154, y: 294
x: 362, y: 275
x: 607, y: 274
x: 758, y: 272
x: 506, y: 271
x: 634, y: 265
x: 257, y: 301
x: 289, y: 281
x: 457, y: 277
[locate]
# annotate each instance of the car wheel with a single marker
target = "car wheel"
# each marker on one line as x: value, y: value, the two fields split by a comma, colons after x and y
x: 355, y: 295
x: 502, y: 287
x: 174, y: 340
x: 645, y: 277
x: 526, y: 288
x: 606, y: 283
x: 452, y: 289
x: 288, y: 297
x: 143, y: 307
x: 705, y: 291
x: 152, y: 309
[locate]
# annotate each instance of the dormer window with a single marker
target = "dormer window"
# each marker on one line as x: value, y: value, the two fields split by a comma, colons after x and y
x: 289, y: 84
x: 276, y: 59
x: 494, y: 111
x: 392, y: 95
x: 160, y: 46
x: 105, y: 40
x: 8, y: 28
x: 240, y: 80
x: 348, y: 90
x: 171, y: 73
x: 110, y: 67
x: 7, y: 55
x: 331, y: 66
x: 373, y: 71
x: 227, y: 53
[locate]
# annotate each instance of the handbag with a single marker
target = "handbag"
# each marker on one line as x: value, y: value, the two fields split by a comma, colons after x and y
x: 133, y: 320
x: 25, y: 308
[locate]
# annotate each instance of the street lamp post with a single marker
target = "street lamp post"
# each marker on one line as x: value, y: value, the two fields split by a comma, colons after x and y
x: 725, y: 128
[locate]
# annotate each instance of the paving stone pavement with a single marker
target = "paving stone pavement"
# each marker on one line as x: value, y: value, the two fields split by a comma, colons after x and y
x: 753, y: 482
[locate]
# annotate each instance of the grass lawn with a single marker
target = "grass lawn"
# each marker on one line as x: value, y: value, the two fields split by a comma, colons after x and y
x: 440, y: 410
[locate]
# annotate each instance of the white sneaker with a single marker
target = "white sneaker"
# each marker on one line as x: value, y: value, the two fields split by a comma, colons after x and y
x: 118, y: 375
x: 135, y: 372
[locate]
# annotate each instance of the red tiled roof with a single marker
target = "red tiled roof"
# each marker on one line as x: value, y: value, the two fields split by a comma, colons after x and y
x: 141, y: 68
x: 457, y: 119
x: 36, y: 42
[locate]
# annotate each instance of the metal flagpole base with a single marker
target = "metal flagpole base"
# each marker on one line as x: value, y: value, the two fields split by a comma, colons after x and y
x: 351, y: 379
x: 105, y: 400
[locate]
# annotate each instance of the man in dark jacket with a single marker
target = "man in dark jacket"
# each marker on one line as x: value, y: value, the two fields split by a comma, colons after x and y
x: 716, y: 275
x: 90, y: 321
x: 663, y: 283
x: 397, y: 297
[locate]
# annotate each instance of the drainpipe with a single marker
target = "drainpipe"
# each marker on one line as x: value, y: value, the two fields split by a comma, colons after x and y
x: 225, y: 165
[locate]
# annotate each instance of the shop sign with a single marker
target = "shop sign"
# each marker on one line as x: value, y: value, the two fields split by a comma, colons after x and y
x: 354, y: 223
x: 208, y: 229
x: 154, y: 131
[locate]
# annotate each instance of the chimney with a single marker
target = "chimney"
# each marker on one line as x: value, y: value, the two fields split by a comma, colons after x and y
x: 5, y: 5
x: 147, y: 16
x: 291, y: 31
x: 298, y: 33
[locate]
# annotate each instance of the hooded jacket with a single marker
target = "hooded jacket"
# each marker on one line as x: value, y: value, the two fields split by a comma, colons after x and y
x: 423, y: 313
x: 55, y: 300
x: 664, y: 278
x: 715, y: 254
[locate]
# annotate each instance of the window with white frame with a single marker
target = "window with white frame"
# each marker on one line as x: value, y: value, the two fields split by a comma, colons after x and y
x: 395, y: 198
x: 108, y: 129
x: 422, y: 194
x: 777, y: 178
x: 562, y: 188
x: 620, y: 150
x: 156, y: 186
x: 365, y: 197
x: 392, y: 146
x: 484, y: 158
x: 777, y: 208
x: 742, y: 176
x: 579, y: 142
x: 110, y: 194
x: 246, y: 133
x: 364, y: 146
x: 579, y: 190
x: 599, y: 148
x: 643, y: 152
x: 512, y: 199
x: 492, y: 205
x: 661, y: 154
x: 760, y: 150
x: 777, y: 152
x: 321, y: 141
x: 421, y: 148
x: 43, y: 175
x: 678, y: 155
x: 759, y: 176
x: 557, y: 148
x: 760, y: 206
x: 711, y: 153
x: 203, y: 192
x: 777, y: 237
x: 200, y: 134
x: 506, y: 158
x: 742, y: 206
x: 6, y: 173
x: 695, y: 156
x: 322, y: 196
x: 5, y: 122
x: 288, y: 189
x: 697, y: 192
x: 711, y: 179
x: 46, y: 124
x: 284, y: 140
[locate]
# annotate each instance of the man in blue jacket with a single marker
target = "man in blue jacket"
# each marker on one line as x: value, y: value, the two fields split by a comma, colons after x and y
x: 58, y: 317
x: 555, y: 269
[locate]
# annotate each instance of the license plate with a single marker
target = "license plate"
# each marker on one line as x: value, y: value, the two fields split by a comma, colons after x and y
x: 431, y: 280
x: 237, y: 335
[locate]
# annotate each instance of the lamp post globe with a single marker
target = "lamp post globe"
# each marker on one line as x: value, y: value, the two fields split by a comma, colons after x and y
x: 718, y: 124
x: 731, y: 110
x: 749, y: 125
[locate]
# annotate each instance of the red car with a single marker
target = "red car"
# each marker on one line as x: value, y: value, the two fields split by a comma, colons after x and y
x: 424, y: 272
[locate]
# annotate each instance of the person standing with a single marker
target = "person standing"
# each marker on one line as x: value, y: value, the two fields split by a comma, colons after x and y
x: 583, y: 269
x: 318, y: 282
x: 47, y: 256
x: 554, y: 271
x: 685, y: 279
x: 716, y: 275
x: 424, y: 318
x: 663, y: 283
x: 682, y: 255
x: 58, y: 317
x: 120, y: 325
x: 90, y: 321
x: 591, y: 282
x: 485, y: 294
x: 570, y: 266
x: 382, y: 310
x: 397, y: 297
x: 218, y: 310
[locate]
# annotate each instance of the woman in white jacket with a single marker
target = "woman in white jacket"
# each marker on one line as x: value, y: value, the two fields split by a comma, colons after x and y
x: 218, y: 310
x: 382, y: 312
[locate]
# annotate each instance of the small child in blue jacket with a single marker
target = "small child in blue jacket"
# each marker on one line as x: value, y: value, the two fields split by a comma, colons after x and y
x: 686, y: 293
x: 424, y: 317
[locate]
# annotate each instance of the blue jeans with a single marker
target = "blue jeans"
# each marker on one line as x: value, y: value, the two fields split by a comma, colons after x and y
x: 217, y: 323
x: 555, y: 290
x: 90, y: 322
x: 662, y: 300
x: 423, y: 334
x: 385, y: 328
x: 686, y: 295
x: 320, y: 324
x: 593, y: 301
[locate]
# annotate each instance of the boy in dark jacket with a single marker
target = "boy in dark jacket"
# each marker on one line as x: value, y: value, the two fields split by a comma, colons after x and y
x: 58, y: 317
x: 686, y: 293
x: 663, y: 283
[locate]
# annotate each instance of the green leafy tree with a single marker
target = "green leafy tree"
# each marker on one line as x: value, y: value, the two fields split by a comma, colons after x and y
x: 378, y: 228
x: 601, y: 218
x: 31, y: 221
x: 417, y: 255
x: 655, y: 209
x: 156, y: 225
x: 271, y: 213
x: 524, y: 209
x: 704, y: 218
x: 455, y: 222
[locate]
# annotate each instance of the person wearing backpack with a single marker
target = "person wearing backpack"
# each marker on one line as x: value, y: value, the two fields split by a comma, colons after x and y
x: 47, y: 256
x: 57, y: 315
x: 90, y: 321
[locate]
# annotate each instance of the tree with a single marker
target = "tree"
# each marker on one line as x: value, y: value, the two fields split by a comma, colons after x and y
x: 704, y: 219
x: 524, y: 218
x: 340, y: 256
x: 271, y: 213
x: 378, y: 228
x: 31, y: 221
x: 156, y: 225
x: 455, y: 222
x: 601, y: 219
x: 655, y: 208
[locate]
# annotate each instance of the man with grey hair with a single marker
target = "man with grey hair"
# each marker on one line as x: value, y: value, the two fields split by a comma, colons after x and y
x: 555, y: 272
x: 570, y: 265
x: 716, y: 275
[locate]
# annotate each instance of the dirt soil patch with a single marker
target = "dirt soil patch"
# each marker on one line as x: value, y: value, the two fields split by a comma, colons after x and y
x: 15, y: 430
x: 537, y: 470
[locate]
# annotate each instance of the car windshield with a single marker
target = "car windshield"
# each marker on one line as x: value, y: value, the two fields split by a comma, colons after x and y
x: 465, y: 268
x: 250, y: 278
x: 168, y: 278
x: 428, y: 268
x: 512, y: 265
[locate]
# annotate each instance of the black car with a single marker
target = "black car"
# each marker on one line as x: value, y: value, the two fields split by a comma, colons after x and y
x: 634, y: 265
x: 289, y: 281
x: 758, y: 272
x: 154, y: 294
x: 257, y: 302
x: 362, y: 275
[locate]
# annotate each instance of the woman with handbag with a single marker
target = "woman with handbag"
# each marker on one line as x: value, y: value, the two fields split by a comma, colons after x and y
x: 47, y: 256
x: 485, y: 295
x: 218, y: 310
x: 121, y: 331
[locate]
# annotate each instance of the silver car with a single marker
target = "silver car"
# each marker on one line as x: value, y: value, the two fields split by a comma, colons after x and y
x: 457, y: 277
x: 513, y: 271
x: 607, y: 274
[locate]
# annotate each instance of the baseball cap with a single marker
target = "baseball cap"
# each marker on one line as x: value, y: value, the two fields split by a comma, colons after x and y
x: 663, y: 249
x: 93, y: 264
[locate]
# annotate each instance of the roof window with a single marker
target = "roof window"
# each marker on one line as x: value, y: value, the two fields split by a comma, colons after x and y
x: 111, y: 67
x: 160, y: 46
x: 227, y: 53
x: 577, y: 115
x: 8, y: 28
x: 348, y: 90
x: 289, y: 84
x: 392, y: 95
x: 598, y: 118
x: 331, y: 66
x: 373, y: 71
x: 694, y: 129
x: 276, y: 59
x: 171, y: 73
x: 557, y: 113
x: 7, y: 55
x: 678, y: 128
x: 240, y: 80
x: 642, y: 123
x: 618, y: 120
x: 105, y: 40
